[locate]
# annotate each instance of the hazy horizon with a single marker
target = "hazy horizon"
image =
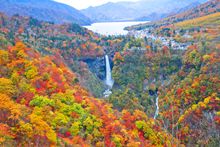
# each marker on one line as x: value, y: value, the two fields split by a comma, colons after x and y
x: 85, y: 3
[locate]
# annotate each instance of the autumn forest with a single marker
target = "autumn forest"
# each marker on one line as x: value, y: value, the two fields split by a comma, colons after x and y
x: 166, y: 89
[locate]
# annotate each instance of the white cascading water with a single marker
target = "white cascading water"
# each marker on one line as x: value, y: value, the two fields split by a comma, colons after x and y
x: 108, y: 81
x: 157, y: 107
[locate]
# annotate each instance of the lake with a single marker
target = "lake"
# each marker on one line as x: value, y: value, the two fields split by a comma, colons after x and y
x: 112, y: 28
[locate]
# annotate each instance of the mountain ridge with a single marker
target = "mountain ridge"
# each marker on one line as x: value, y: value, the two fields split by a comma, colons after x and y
x: 44, y: 10
x: 125, y: 11
x: 207, y: 8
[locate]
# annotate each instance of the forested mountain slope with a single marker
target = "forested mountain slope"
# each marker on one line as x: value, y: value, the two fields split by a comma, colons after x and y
x: 73, y: 42
x: 41, y: 105
x: 185, y: 82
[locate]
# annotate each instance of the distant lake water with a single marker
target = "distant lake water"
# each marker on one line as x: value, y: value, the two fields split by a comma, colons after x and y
x: 112, y: 28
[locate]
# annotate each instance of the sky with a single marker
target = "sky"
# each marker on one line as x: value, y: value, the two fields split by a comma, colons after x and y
x: 81, y: 4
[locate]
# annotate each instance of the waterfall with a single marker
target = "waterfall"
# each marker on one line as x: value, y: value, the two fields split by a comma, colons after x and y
x: 157, y: 107
x: 108, y: 81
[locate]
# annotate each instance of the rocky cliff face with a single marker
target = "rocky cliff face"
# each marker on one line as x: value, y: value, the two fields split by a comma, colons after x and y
x: 96, y: 66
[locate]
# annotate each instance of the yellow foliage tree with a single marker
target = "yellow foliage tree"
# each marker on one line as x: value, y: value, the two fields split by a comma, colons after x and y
x: 6, y: 104
x: 42, y: 128
x: 7, y: 87
x: 4, y: 58
x: 31, y: 72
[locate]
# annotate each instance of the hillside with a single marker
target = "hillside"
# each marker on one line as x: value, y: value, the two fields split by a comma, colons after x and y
x: 73, y: 42
x: 207, y: 8
x: 184, y: 81
x: 41, y: 105
x: 46, y: 10
x: 140, y: 10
